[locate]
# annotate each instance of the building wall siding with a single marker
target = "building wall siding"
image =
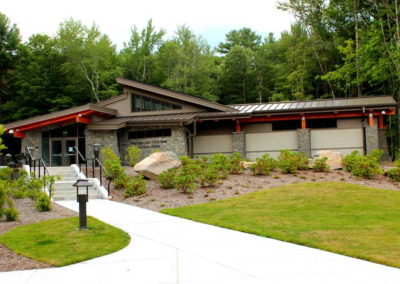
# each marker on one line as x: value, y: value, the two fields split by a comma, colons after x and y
x: 104, y: 138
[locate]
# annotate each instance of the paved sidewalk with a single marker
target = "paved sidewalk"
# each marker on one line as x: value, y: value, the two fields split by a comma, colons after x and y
x: 166, y: 249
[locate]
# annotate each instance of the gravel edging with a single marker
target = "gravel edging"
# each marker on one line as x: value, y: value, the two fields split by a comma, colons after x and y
x: 28, y: 214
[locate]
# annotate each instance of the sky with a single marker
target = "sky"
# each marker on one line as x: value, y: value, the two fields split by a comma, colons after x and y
x: 210, y: 18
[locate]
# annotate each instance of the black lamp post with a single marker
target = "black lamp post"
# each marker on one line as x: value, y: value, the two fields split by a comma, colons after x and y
x: 82, y: 198
x: 96, y: 150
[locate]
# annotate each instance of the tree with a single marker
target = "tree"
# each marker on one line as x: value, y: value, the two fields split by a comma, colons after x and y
x: 38, y: 83
x: 244, y: 37
x: 9, y: 41
x: 91, y: 59
x: 138, y: 58
x: 237, y: 73
x: 187, y: 64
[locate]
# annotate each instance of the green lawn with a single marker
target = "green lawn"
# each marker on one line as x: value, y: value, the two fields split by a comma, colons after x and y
x: 59, y: 242
x: 349, y: 219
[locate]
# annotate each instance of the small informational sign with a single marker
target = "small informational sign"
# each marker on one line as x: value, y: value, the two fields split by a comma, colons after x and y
x: 65, y: 133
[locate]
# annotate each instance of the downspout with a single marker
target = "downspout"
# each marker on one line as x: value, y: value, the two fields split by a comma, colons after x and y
x: 364, y: 137
x: 190, y: 137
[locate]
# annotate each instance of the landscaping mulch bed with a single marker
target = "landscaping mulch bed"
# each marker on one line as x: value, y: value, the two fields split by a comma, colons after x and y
x: 9, y: 261
x: 157, y: 199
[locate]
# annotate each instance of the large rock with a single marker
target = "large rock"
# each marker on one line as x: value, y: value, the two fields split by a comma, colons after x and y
x: 335, y: 159
x: 246, y: 165
x: 156, y: 163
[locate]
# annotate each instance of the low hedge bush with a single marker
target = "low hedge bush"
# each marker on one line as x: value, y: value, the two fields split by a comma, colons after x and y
x: 363, y: 166
x: 264, y: 165
x: 320, y: 165
x: 135, y: 186
x: 291, y: 162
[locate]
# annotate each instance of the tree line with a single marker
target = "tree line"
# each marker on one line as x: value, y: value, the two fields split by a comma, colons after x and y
x: 334, y: 49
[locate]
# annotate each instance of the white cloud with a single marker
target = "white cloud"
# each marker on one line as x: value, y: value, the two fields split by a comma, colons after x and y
x: 211, y: 18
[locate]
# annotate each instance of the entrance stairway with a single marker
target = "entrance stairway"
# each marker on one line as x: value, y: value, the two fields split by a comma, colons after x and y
x: 63, y: 189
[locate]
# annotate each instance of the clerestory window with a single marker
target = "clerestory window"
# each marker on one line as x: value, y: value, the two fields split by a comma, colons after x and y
x: 142, y: 103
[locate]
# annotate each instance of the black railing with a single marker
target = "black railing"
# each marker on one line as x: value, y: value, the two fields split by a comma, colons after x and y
x: 93, y: 162
x: 32, y: 161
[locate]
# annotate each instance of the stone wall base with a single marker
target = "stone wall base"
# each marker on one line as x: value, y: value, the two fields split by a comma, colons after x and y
x: 239, y: 143
x: 303, y: 136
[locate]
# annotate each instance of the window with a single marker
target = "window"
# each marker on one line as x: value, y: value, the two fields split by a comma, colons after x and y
x: 142, y: 103
x: 149, y: 133
x: 321, y: 123
x: 286, y: 125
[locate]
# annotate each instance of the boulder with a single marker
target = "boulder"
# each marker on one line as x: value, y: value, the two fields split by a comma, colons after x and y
x: 335, y: 159
x: 246, y: 165
x: 156, y: 163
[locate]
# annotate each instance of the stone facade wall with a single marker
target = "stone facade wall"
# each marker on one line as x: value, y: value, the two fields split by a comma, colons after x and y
x: 176, y: 143
x: 383, y: 144
x: 371, y: 138
x: 239, y: 143
x: 33, y: 139
x: 104, y: 138
x: 303, y: 136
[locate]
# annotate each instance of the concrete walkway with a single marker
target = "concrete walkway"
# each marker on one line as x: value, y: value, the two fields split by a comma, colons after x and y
x: 166, y: 250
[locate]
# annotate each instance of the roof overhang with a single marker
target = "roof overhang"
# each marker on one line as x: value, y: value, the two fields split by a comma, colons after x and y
x: 79, y: 114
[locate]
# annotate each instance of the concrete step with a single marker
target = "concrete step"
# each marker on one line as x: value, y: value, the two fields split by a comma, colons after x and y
x: 67, y: 175
x: 63, y: 178
x: 67, y: 197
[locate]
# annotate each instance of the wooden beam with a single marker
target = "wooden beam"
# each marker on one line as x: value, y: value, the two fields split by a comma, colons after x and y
x: 371, y: 119
x: 381, y: 122
x: 84, y: 120
x: 303, y: 123
x: 238, y: 126
x: 19, y: 134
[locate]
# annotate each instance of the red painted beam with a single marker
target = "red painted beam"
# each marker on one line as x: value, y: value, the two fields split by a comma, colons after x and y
x: 54, y: 120
x: 84, y: 120
x: 19, y: 134
x: 238, y: 127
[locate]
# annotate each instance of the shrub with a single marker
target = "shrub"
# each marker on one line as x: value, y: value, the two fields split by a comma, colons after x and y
x: 108, y: 153
x: 350, y: 160
x: 43, y: 202
x: 209, y: 175
x: 363, y: 166
x: 114, y: 168
x: 184, y: 180
x: 320, y: 165
x: 235, y: 164
x: 121, y: 181
x: 394, y: 174
x: 264, y: 165
x: 290, y: 162
x: 135, y: 186
x: 6, y: 173
x: 166, y: 179
x: 221, y: 164
x: 134, y: 155
x: 366, y: 167
x: 11, y: 214
x: 185, y: 160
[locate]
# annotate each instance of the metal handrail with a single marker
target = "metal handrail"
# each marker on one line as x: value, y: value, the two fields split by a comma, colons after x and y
x: 84, y: 161
x: 94, y: 160
x: 101, y: 176
x: 45, y: 170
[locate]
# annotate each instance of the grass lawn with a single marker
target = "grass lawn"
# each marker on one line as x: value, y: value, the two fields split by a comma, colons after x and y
x: 348, y: 219
x: 59, y: 242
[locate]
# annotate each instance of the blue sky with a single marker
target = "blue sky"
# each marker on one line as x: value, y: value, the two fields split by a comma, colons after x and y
x: 212, y: 19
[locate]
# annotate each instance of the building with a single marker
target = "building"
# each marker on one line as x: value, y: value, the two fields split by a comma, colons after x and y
x: 155, y: 118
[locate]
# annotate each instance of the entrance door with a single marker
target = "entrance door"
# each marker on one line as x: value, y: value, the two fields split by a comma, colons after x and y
x: 63, y: 152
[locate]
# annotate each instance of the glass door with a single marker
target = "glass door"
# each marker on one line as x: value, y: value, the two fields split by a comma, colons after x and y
x: 70, y: 157
x: 57, y: 152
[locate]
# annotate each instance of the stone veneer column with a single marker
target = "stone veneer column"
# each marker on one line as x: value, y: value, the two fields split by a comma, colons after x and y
x: 104, y: 138
x: 239, y: 143
x: 371, y: 138
x: 33, y: 139
x: 383, y: 145
x: 304, y: 139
